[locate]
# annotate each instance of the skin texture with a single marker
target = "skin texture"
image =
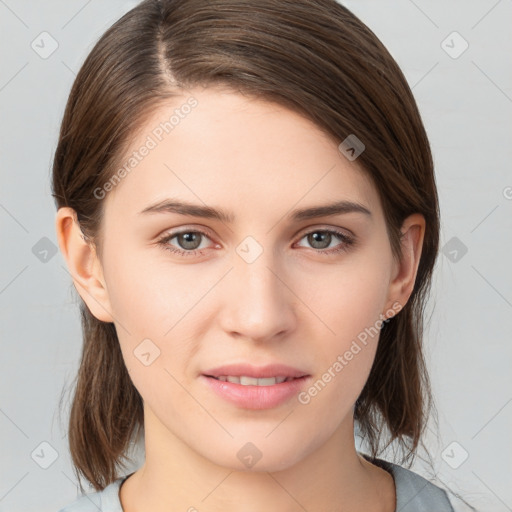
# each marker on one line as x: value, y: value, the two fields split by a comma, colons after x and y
x: 291, y: 305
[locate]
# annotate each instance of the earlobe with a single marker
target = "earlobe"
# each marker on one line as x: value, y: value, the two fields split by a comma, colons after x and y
x: 83, y: 264
x: 404, y: 277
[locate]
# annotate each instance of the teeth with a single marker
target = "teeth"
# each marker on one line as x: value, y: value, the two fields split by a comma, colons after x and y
x: 249, y: 381
x: 252, y: 381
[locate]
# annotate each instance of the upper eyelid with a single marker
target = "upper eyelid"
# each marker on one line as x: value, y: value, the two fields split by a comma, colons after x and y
x: 170, y: 235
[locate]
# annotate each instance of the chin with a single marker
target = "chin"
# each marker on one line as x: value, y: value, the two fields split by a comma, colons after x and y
x: 258, y: 454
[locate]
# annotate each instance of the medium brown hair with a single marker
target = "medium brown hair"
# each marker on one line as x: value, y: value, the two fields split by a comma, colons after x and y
x: 312, y: 56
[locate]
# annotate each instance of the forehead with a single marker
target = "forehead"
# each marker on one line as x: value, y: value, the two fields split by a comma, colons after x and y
x: 220, y: 147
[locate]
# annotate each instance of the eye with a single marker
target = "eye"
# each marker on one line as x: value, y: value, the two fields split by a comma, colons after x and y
x: 321, y: 239
x: 190, y: 241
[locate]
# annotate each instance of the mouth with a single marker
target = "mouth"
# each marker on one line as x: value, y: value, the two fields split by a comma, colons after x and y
x: 244, y: 380
x: 249, y: 375
x: 250, y: 387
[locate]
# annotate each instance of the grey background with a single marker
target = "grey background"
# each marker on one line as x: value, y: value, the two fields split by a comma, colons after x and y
x: 466, y: 104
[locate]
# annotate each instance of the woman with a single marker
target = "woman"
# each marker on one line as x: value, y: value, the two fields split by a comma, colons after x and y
x: 247, y: 205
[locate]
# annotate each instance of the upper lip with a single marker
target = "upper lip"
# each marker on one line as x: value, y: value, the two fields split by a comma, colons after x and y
x: 259, y: 372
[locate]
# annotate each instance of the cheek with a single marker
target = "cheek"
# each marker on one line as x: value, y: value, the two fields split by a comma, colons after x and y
x: 154, y: 305
x: 347, y: 302
x: 347, y: 299
x: 143, y: 295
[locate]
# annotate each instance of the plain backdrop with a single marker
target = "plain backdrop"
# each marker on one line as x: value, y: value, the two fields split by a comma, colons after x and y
x: 455, y: 56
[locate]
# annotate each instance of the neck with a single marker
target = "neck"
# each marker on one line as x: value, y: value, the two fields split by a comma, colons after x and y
x: 331, y: 477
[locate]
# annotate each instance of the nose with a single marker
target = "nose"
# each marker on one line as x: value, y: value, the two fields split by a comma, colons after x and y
x: 257, y: 302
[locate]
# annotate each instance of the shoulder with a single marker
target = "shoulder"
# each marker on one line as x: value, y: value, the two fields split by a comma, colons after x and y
x: 413, y: 492
x: 106, y: 500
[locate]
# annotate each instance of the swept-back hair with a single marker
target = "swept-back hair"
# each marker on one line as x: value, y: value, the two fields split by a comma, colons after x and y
x: 312, y: 56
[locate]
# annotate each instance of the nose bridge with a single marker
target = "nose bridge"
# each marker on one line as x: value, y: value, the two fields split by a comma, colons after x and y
x: 253, y: 267
x: 259, y: 304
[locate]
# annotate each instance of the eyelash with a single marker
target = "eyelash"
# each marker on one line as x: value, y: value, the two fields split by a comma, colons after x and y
x: 347, y: 242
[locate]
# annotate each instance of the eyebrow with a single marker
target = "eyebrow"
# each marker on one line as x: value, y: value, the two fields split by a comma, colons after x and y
x: 207, y: 212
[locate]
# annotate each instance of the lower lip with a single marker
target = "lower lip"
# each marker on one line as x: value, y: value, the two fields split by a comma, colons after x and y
x: 256, y: 397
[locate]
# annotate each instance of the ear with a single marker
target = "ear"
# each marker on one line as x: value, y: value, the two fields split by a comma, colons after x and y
x: 404, y: 272
x: 83, y: 264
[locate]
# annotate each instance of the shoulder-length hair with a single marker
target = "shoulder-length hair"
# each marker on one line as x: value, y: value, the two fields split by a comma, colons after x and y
x: 312, y: 56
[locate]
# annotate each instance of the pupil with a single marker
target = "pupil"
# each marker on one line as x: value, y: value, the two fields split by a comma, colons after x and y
x: 317, y: 236
x: 189, y: 240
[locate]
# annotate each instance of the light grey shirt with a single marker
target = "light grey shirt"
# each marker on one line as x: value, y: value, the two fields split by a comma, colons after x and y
x: 413, y: 493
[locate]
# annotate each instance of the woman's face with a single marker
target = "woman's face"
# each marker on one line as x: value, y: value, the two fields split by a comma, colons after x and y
x: 190, y: 294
